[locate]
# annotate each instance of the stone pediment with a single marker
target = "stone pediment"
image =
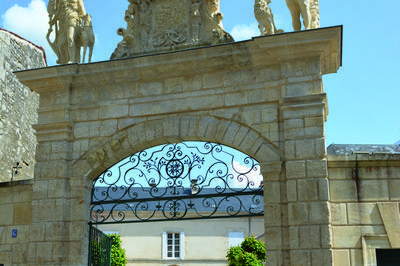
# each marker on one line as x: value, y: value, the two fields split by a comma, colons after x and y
x: 167, y: 25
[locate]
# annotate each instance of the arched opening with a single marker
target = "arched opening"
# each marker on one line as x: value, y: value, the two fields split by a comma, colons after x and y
x: 177, y: 185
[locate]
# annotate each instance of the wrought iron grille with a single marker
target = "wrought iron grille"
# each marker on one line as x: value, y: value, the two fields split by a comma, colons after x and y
x: 99, y: 247
x: 189, y: 180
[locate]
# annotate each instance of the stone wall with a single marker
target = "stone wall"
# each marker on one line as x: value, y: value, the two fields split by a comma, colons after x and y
x: 263, y: 97
x: 365, y: 194
x: 18, y: 106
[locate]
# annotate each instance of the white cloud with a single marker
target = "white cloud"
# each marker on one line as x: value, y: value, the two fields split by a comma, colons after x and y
x: 31, y: 23
x: 245, y: 32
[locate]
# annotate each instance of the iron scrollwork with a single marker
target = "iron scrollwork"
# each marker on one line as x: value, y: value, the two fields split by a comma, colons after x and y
x: 189, y: 180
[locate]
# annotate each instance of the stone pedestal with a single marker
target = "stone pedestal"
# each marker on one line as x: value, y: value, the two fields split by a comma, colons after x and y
x: 263, y: 97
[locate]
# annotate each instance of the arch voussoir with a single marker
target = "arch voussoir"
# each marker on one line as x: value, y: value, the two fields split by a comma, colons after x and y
x: 176, y: 129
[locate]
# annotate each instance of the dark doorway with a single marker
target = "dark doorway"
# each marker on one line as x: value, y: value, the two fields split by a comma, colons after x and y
x: 388, y: 257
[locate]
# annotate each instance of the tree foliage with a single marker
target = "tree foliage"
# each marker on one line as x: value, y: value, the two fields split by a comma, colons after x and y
x: 250, y: 253
x: 118, y: 257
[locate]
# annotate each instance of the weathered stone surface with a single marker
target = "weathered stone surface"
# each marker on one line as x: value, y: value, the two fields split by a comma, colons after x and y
x: 156, y: 101
x: 18, y: 106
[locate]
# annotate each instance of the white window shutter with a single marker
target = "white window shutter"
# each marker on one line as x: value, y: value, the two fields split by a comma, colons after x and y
x: 182, y: 245
x: 164, y: 246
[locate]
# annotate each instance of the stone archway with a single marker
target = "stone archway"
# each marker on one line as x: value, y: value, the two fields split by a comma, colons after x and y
x: 263, y: 97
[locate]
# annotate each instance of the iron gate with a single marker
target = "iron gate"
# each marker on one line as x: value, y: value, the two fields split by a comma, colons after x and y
x: 99, y: 247
x: 189, y: 180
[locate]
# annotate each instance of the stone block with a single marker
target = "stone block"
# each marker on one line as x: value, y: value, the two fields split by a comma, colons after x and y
x: 213, y: 80
x: 56, y: 188
x: 295, y: 169
x: 236, y: 98
x: 338, y: 213
x: 317, y: 168
x: 309, y: 237
x: 298, y: 213
x: 192, y: 83
x: 394, y: 190
x: 272, y: 215
x: 44, y: 249
x: 374, y: 190
x: 293, y: 123
x: 173, y: 85
x: 268, y: 73
x: 269, y: 130
x: 294, y: 133
x: 251, y: 117
x: 342, y: 190
x: 36, y: 232
x: 20, y: 253
x: 272, y: 192
x: 342, y: 257
x: 108, y: 127
x: 114, y: 109
x: 265, y: 154
x: 320, y: 148
x: 249, y: 140
x: 363, y: 213
x: 299, y: 89
x: 6, y: 258
x: 301, y: 111
x: 291, y: 190
x: 273, y: 238
x: 269, y: 114
x: 326, y: 236
x: 273, y: 258
x: 294, y: 241
x: 22, y: 213
x: 150, y: 88
x: 290, y: 150
x: 314, y: 132
x: 7, y: 213
x: 307, y: 190
x: 54, y: 231
x: 319, y: 212
x: 356, y: 256
x: 350, y: 236
x: 305, y: 149
x: 300, y: 258
x: 323, y: 189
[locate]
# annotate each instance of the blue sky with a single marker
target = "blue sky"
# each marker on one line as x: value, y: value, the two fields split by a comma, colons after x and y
x: 364, y: 96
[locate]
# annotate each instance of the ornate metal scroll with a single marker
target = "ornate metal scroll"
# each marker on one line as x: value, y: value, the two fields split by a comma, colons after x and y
x: 190, y: 180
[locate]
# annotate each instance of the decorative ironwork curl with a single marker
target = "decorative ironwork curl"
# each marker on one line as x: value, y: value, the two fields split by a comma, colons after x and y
x: 189, y: 180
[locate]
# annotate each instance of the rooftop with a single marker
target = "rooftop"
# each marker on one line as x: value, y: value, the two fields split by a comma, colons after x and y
x: 345, y: 149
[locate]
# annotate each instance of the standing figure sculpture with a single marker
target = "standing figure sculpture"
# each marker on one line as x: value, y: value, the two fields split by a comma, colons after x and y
x: 265, y: 17
x: 67, y: 17
x: 309, y: 11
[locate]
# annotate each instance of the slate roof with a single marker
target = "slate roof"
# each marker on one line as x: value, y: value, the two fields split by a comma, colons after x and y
x: 345, y: 149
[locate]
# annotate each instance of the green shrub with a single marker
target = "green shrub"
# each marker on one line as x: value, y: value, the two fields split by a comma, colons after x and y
x: 250, y: 253
x: 118, y: 257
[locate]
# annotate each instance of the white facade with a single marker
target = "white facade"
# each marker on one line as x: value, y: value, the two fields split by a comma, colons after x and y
x: 203, y: 242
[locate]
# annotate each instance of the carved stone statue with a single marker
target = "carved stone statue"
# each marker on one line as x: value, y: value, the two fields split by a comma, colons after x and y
x: 68, y: 19
x: 309, y: 11
x: 165, y: 25
x: 265, y: 17
x: 86, y: 38
x: 195, y: 18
